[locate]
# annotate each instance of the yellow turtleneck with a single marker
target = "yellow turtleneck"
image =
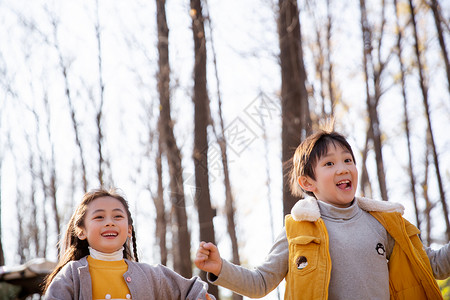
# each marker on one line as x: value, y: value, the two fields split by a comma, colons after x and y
x: 107, y: 279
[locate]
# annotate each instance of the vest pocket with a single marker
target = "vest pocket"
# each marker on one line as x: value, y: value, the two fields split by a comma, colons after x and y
x: 304, y: 251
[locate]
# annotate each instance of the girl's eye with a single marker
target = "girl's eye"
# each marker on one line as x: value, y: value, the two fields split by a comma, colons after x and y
x: 119, y: 217
x: 328, y: 163
x: 348, y: 160
x: 98, y: 217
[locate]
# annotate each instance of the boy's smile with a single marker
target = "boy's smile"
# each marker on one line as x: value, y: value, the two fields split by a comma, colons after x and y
x: 344, y: 185
x: 336, y: 177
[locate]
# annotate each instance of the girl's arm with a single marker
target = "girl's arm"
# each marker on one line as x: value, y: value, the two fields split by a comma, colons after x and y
x: 171, y: 285
x: 440, y: 261
x: 62, y: 286
x: 254, y: 283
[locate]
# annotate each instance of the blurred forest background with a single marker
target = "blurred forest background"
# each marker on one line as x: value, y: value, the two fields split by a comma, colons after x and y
x: 191, y: 108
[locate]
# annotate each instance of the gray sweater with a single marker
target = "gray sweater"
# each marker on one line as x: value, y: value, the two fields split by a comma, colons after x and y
x: 144, y: 282
x: 359, y: 250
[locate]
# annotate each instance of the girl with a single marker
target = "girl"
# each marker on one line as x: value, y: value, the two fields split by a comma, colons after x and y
x: 96, y: 261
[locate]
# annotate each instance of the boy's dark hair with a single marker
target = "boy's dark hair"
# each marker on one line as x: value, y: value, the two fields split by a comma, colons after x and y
x: 72, y: 248
x: 308, y: 153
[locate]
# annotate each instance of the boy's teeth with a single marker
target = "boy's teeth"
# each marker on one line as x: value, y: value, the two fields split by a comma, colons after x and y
x: 343, y: 184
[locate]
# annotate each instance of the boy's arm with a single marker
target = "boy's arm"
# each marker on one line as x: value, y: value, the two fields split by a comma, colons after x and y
x: 440, y: 261
x: 254, y: 283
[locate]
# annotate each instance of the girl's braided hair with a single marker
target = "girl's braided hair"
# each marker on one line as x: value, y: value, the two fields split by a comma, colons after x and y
x: 72, y: 248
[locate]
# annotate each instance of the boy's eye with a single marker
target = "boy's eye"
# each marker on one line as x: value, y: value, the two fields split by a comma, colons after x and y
x: 119, y: 217
x: 98, y: 217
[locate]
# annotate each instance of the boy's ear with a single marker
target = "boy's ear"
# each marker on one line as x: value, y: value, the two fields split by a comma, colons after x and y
x: 306, y: 183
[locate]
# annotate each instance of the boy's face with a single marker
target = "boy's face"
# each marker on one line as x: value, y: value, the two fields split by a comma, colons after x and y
x: 336, y: 177
x: 105, y: 225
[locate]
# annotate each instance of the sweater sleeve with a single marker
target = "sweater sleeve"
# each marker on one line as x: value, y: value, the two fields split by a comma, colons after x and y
x: 164, y: 283
x: 260, y: 281
x: 62, y: 286
x: 440, y: 261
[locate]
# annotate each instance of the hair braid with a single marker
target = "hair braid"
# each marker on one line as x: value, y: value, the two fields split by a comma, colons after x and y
x: 133, y: 239
x: 72, y: 248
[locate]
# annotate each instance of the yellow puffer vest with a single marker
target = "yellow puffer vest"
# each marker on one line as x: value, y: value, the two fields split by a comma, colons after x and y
x: 307, y: 240
x: 308, y: 277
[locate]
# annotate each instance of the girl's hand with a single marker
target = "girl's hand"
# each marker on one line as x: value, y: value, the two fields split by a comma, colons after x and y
x: 208, y: 258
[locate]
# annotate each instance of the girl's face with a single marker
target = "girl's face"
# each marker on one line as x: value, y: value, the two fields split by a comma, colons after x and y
x: 105, y: 225
x: 336, y: 177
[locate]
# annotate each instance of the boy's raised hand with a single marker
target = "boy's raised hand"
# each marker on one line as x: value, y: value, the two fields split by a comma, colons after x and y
x: 208, y: 258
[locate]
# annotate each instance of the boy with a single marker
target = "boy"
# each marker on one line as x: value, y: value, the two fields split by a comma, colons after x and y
x: 336, y: 245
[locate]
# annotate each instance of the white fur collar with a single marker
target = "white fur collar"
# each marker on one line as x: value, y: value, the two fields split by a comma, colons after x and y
x: 308, y: 210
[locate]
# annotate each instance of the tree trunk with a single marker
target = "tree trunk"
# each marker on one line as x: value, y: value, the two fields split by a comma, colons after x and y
x: 331, y: 84
x: 319, y: 65
x: 428, y: 204
x: 366, y: 187
x: 33, y: 230
x: 201, y: 118
x: 182, y: 261
x: 296, y: 120
x: 50, y: 188
x: 322, y: 61
x: 99, y: 114
x: 412, y: 178
x: 424, y: 89
x: 373, y: 74
x: 222, y: 142
x: 22, y: 240
x: 158, y: 200
x: 435, y: 7
x: 2, y: 257
x: 71, y: 107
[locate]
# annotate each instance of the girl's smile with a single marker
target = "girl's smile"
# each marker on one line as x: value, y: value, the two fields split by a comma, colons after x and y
x: 105, y: 225
x: 109, y: 234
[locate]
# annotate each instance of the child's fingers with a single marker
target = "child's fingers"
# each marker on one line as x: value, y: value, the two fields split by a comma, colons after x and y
x: 202, y: 251
x: 201, y: 256
x: 210, y: 247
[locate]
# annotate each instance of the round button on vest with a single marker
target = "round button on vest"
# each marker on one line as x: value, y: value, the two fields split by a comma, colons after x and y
x: 128, y: 279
